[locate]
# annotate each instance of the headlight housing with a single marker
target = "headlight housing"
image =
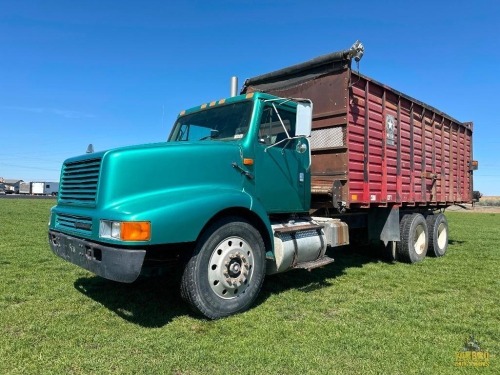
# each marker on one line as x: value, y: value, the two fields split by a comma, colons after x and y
x: 125, y: 230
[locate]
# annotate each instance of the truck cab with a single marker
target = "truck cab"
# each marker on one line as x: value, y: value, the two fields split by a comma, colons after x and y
x: 263, y: 129
x: 230, y: 171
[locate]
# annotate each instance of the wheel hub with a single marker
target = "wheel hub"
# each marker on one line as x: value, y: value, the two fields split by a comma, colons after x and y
x: 230, y: 267
x: 234, y: 268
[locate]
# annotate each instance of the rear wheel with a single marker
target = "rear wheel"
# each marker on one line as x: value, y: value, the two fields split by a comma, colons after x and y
x: 414, y: 238
x: 437, y: 225
x: 226, y: 272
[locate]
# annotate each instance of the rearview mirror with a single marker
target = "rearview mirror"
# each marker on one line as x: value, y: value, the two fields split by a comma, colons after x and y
x: 304, y: 119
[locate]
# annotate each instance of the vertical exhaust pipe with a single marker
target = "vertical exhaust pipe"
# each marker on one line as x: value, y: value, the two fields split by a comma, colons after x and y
x: 234, y: 86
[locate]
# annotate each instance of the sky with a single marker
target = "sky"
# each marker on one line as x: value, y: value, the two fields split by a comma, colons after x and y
x: 117, y: 73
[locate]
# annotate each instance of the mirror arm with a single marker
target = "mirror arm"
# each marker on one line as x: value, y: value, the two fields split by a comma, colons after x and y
x: 282, y: 123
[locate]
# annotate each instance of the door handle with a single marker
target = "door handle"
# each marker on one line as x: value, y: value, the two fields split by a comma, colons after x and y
x: 242, y: 171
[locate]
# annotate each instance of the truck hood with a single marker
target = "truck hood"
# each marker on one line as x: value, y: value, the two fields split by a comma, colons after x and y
x: 137, y: 172
x: 140, y: 172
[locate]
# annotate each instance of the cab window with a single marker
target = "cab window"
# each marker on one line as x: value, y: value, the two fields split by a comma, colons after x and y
x: 271, y: 129
x: 223, y: 123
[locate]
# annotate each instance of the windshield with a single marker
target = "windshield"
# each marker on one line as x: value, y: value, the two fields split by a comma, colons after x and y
x: 225, y: 122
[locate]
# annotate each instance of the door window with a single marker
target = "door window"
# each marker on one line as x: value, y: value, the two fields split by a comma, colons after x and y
x: 272, y: 126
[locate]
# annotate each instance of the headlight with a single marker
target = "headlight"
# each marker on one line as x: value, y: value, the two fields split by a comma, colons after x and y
x: 125, y: 230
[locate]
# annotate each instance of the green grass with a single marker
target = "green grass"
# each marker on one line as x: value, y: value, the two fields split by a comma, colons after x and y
x: 359, y: 315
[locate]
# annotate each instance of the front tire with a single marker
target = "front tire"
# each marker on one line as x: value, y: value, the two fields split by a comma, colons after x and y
x: 226, y: 272
x: 414, y: 238
x: 437, y: 226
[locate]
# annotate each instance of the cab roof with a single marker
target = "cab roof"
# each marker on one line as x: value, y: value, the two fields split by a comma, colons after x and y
x: 235, y: 99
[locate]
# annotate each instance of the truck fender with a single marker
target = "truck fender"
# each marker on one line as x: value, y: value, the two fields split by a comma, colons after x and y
x: 180, y: 216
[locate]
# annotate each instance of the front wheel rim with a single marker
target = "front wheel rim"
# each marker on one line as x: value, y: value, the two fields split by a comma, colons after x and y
x: 230, y: 268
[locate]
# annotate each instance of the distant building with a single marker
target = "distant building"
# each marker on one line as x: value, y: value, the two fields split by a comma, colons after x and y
x: 11, y: 185
x: 15, y: 186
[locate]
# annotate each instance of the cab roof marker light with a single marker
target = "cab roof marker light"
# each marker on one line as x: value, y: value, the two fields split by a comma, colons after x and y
x: 249, y: 96
x: 222, y: 101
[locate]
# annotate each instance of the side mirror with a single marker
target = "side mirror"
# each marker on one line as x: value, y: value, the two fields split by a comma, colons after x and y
x: 304, y: 119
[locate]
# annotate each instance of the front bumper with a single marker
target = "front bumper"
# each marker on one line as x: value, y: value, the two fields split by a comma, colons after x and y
x: 112, y: 263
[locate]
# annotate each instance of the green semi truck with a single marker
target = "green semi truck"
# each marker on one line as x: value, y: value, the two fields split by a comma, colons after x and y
x: 262, y: 183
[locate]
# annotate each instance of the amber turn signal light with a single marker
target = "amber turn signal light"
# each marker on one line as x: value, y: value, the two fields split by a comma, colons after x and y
x: 136, y: 231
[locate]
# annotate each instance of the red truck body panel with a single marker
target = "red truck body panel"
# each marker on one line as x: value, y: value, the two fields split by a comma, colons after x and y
x: 373, y: 146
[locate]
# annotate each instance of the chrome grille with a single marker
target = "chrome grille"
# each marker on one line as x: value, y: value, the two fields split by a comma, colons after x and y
x: 79, y: 182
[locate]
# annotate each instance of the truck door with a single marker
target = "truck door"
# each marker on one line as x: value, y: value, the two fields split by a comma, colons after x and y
x: 281, y: 163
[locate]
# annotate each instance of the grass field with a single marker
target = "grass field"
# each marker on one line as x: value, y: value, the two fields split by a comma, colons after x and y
x: 359, y: 315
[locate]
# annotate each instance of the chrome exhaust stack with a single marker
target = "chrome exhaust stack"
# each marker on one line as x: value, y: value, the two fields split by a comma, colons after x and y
x: 234, y: 86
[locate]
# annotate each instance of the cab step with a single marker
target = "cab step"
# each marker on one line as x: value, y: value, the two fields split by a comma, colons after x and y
x: 323, y: 261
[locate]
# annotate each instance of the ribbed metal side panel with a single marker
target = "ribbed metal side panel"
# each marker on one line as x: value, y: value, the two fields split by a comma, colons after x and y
x: 79, y: 182
x: 402, y: 151
x: 74, y: 223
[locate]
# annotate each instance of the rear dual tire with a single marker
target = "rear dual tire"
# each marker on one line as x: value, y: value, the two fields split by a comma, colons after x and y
x: 421, y: 236
x: 414, y: 238
x: 437, y: 226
